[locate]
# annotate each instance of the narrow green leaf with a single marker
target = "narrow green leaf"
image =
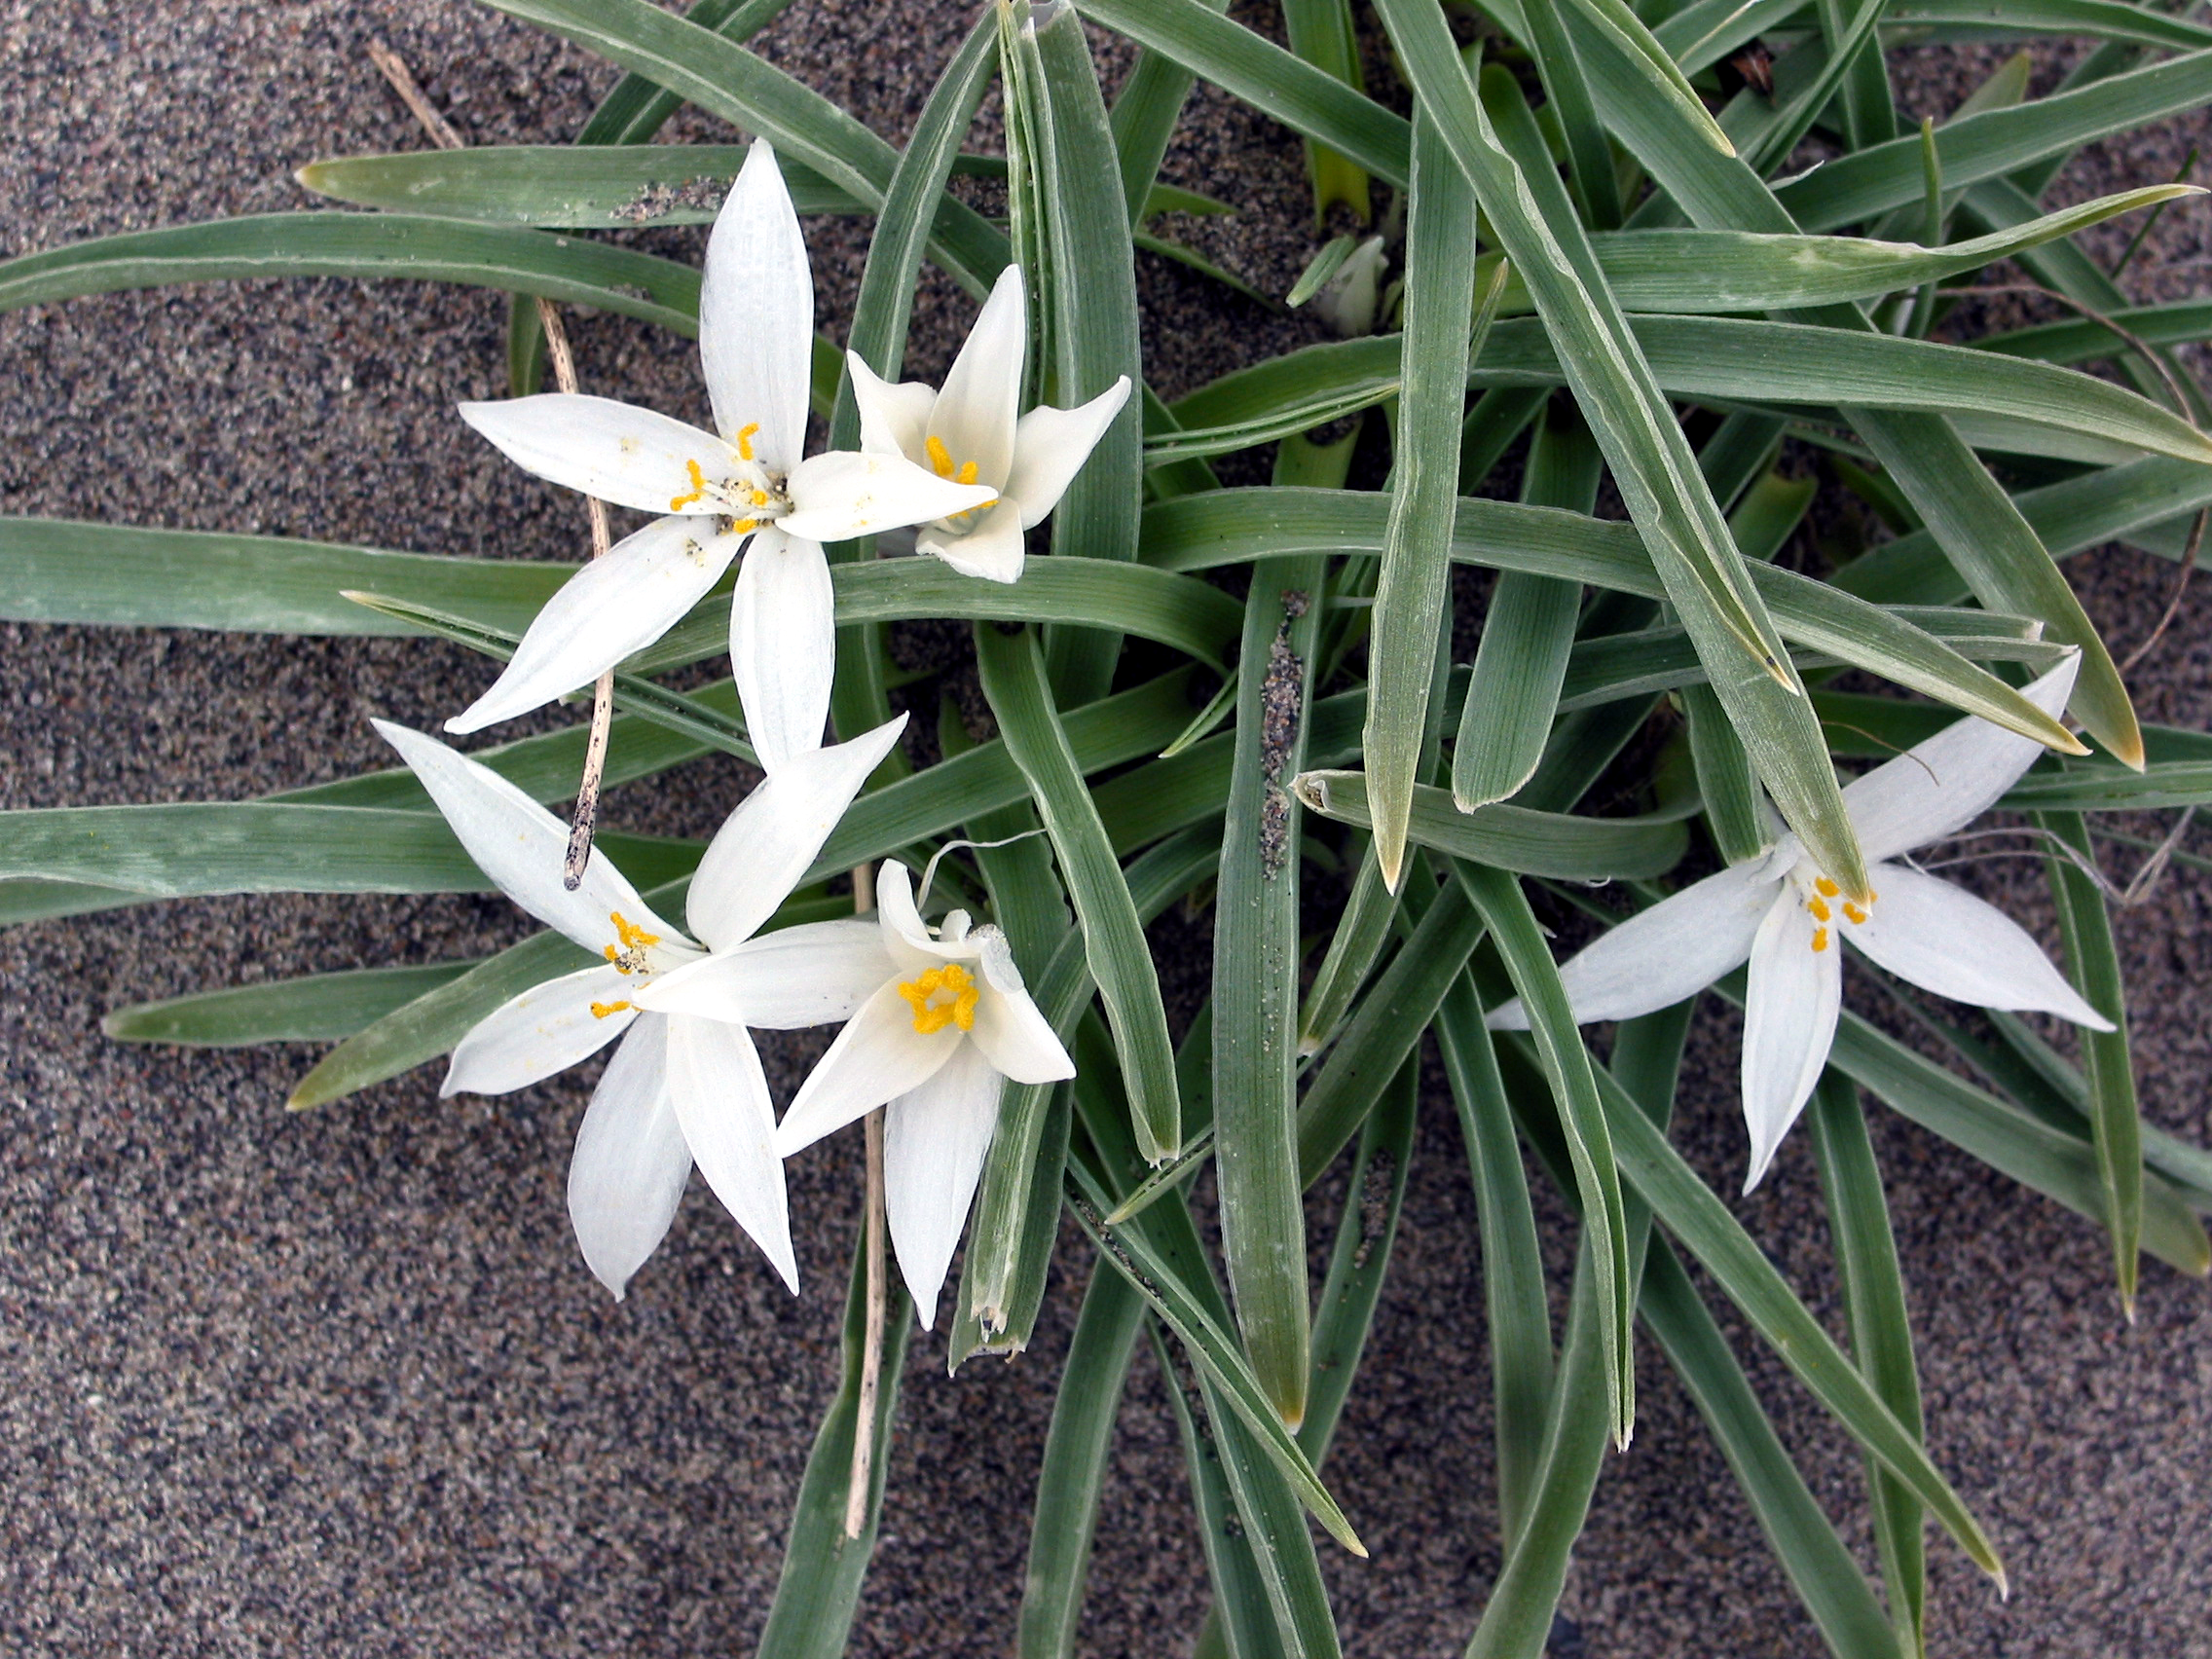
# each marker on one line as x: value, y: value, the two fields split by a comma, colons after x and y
x: 1414, y: 585
x: 2098, y: 20
x: 1510, y: 837
x: 1322, y: 33
x: 2091, y: 952
x: 1588, y: 153
x: 321, y: 1007
x: 1362, y: 930
x: 1013, y: 680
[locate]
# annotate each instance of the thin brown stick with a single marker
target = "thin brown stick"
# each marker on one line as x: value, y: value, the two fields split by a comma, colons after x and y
x: 2166, y: 617
x: 879, y: 1288
x: 394, y: 70
x: 2128, y: 337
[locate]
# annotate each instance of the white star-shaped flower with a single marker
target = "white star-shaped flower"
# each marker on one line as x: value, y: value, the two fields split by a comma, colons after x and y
x: 938, y: 1020
x: 974, y: 432
x: 1785, y: 916
x: 679, y: 1088
x: 745, y: 490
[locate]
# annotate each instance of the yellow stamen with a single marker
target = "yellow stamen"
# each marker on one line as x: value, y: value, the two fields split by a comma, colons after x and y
x: 629, y: 955
x: 698, y: 488
x: 1820, y: 910
x: 1819, y: 938
x: 1853, y: 913
x: 744, y: 439
x: 599, y: 1011
x: 931, y: 1017
x: 940, y: 458
x: 967, y: 472
x: 1828, y: 889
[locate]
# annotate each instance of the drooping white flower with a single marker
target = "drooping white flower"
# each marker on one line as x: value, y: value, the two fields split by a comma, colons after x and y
x: 1785, y: 916
x: 745, y: 489
x: 974, y: 432
x: 938, y: 1020
x: 678, y: 1089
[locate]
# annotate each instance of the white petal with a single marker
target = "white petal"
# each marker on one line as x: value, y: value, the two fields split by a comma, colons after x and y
x: 1946, y: 940
x: 905, y: 937
x: 843, y: 494
x: 756, y: 316
x: 548, y: 1029
x: 1659, y: 956
x: 768, y: 843
x: 1051, y: 446
x: 783, y: 645
x: 1790, y: 1012
x: 976, y: 412
x: 878, y: 1056
x: 1940, y: 785
x: 631, y: 1162
x: 631, y: 456
x: 721, y: 1100
x: 935, y: 1138
x: 895, y: 415
x: 520, y: 845
x: 612, y: 608
x: 991, y: 547
x: 814, y: 975
x: 1009, y: 1029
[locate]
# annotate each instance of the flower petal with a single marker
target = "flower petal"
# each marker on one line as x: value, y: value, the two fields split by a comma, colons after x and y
x: 783, y: 645
x: 878, y: 1056
x: 1051, y: 446
x: 548, y: 1029
x: 976, y: 412
x: 1946, y: 940
x: 1790, y: 1012
x: 721, y: 1101
x: 935, y: 1138
x: 817, y: 974
x: 617, y: 452
x: 1009, y: 1029
x: 895, y: 415
x: 1659, y: 956
x: 991, y: 547
x: 631, y: 1162
x: 767, y: 844
x: 610, y: 609
x: 843, y: 494
x: 757, y: 318
x: 520, y: 845
x: 906, y: 936
x: 1938, y: 787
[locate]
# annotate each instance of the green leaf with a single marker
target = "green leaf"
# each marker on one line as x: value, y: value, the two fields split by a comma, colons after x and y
x: 1511, y: 837
x: 2091, y: 952
x: 321, y: 1007
x: 820, y: 1587
x: 1121, y: 963
x: 1255, y: 979
x: 1881, y: 1332
x: 1567, y: 92
x: 1415, y: 581
x: 1323, y: 34
x: 2098, y: 20
x: 1362, y: 930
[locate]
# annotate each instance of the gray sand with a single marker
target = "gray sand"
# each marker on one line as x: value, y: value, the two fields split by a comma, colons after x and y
x: 340, y: 1384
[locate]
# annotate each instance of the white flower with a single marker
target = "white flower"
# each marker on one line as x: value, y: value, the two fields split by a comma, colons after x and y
x: 745, y: 489
x: 1784, y: 914
x: 938, y: 1022
x: 970, y: 433
x: 678, y: 1089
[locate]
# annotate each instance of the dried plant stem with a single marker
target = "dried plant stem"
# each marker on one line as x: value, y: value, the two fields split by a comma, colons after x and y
x: 878, y: 1287
x: 394, y: 70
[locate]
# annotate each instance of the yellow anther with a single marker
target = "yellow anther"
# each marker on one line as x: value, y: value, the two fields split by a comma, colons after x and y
x: 744, y: 439
x: 698, y: 488
x: 1820, y: 910
x: 930, y: 1016
x: 599, y: 1011
x: 940, y: 458
x: 967, y: 472
x: 1827, y: 887
x: 1819, y: 938
x: 629, y: 933
x: 1851, y: 913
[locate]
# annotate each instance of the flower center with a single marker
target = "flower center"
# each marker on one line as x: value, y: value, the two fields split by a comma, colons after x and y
x: 940, y: 461
x: 628, y: 953
x: 951, y: 982
x: 750, y: 496
x: 1818, y: 903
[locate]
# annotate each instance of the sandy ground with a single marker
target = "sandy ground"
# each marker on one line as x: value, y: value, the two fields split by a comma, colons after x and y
x: 339, y: 1382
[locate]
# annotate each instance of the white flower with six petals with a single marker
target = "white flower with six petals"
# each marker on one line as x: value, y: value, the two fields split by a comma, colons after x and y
x: 678, y: 1089
x: 745, y: 489
x: 938, y: 1022
x: 1785, y: 916
x: 974, y: 432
